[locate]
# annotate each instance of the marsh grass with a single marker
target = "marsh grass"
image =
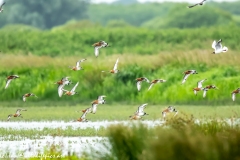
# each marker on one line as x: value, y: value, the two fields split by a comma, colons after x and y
x: 180, y: 139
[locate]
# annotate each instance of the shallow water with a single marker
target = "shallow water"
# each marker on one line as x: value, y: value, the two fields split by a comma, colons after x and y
x: 39, y: 125
x: 67, y: 145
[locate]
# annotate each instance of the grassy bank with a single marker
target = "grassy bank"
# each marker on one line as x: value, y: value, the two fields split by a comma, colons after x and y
x: 115, y: 112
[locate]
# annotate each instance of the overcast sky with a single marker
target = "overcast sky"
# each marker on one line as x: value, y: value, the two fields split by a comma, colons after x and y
x: 190, y: 1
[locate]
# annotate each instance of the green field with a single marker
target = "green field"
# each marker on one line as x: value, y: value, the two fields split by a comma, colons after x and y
x: 116, y: 112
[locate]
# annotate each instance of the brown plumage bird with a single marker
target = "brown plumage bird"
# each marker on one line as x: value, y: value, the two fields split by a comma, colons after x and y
x: 9, y: 79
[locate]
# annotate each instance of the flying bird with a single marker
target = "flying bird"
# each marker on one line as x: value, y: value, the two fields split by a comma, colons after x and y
x: 155, y: 82
x: 200, y: 3
x: 217, y: 46
x: 234, y: 93
x: 114, y: 70
x: 187, y: 74
x: 72, y: 92
x: 169, y: 110
x: 2, y: 2
x: 208, y: 87
x: 95, y: 103
x: 64, y: 81
x: 77, y: 67
x: 9, y: 79
x: 99, y: 45
x: 83, y: 117
x: 199, y: 86
x: 17, y: 114
x: 27, y: 95
x: 139, y: 113
x: 139, y: 82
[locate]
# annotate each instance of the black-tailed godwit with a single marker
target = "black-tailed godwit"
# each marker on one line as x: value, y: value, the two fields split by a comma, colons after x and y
x: 153, y: 82
x: 17, y: 114
x: 187, y: 74
x: 169, y: 110
x: 27, y: 95
x: 10, y: 78
x: 139, y: 82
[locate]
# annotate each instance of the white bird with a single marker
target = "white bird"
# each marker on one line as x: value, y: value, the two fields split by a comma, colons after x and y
x: 78, y: 67
x: 217, y: 46
x: 72, y: 92
x: 2, y: 2
x: 200, y: 3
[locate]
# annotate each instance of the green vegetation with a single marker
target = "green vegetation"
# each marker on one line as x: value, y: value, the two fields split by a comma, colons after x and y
x: 112, y: 112
x: 181, y: 139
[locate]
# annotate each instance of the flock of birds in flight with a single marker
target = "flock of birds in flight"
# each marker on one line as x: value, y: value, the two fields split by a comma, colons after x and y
x: 217, y: 46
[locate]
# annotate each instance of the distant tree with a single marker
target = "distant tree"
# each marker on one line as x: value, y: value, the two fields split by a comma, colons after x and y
x: 45, y: 13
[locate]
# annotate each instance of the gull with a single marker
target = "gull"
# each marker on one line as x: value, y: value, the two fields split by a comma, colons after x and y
x: 64, y: 81
x: 27, y: 95
x: 217, y: 46
x: 156, y: 81
x: 99, y: 45
x: 83, y: 117
x: 187, y: 74
x: 140, y: 80
x: 200, y: 3
x: 168, y: 110
x: 114, y: 70
x: 10, y: 78
x: 17, y: 114
x: 72, y: 92
x: 205, y: 89
x: 77, y: 67
x: 234, y: 93
x: 2, y: 2
x: 95, y: 103
x: 199, y: 86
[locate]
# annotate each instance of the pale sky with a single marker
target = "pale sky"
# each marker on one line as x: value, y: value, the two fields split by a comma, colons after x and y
x: 142, y: 1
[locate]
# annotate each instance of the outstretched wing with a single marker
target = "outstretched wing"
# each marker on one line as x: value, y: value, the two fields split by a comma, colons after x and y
x: 24, y: 98
x: 193, y: 5
x: 214, y: 44
x: 218, y: 45
x: 139, y: 85
x: 73, y: 89
x: 94, y: 108
x: 8, y: 82
x: 150, y: 86
x: 60, y: 90
x: 116, y: 64
x: 233, y: 96
x: 2, y: 2
x: 141, y: 108
x: 147, y: 80
x: 96, y: 51
x: 84, y: 115
x: 199, y: 83
x: 101, y: 97
x: 185, y: 78
x: 205, y: 93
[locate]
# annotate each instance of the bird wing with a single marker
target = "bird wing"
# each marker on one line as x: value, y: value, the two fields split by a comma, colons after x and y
x: 116, y: 64
x: 84, y: 115
x: 139, y: 85
x: 78, y: 64
x: 218, y: 45
x: 8, y: 82
x: 18, y: 111
x: 195, y: 92
x: 101, y: 97
x: 60, y: 90
x: 193, y: 5
x: 147, y: 80
x: 96, y: 51
x: 185, y: 78
x: 204, y: 93
x: 150, y: 86
x: 73, y: 89
x: 24, y: 99
x: 141, y: 108
x: 94, y: 108
x: 214, y: 44
x: 2, y: 2
x: 233, y: 96
x: 199, y: 83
